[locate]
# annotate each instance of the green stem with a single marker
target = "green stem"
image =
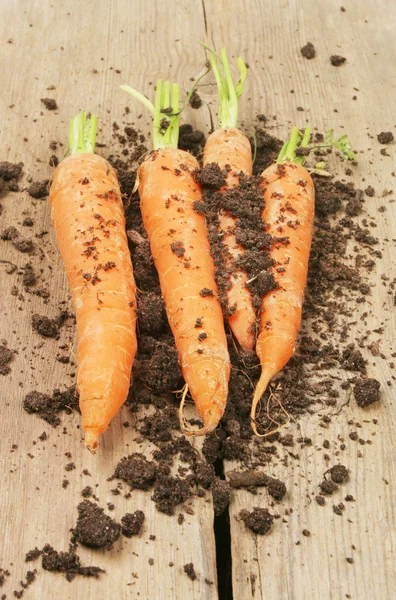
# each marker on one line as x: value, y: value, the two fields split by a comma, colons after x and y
x: 82, y: 134
x: 165, y: 111
x: 296, y: 140
x: 229, y: 92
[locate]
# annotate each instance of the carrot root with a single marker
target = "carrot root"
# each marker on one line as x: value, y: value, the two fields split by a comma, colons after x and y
x: 265, y: 378
x: 209, y: 426
x: 91, y: 440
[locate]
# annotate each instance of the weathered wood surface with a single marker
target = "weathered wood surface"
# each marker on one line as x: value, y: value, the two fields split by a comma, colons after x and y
x: 61, y: 44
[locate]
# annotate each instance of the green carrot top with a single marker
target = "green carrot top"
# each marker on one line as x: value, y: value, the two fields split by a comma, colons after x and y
x: 296, y: 140
x: 82, y: 134
x: 229, y: 92
x: 165, y: 111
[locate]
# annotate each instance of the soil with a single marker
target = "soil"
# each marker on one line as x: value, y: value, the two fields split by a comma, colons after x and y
x: 49, y: 103
x: 337, y: 60
x: 253, y: 479
x: 308, y: 51
x: 39, y: 189
x: 190, y: 571
x: 385, y: 137
x: 66, y: 562
x: 366, y: 392
x: 6, y: 356
x: 94, y: 528
x: 48, y: 407
x: 258, y: 521
x: 45, y: 326
x: 18, y: 241
x: 195, y: 100
x: 339, y: 473
x: 221, y: 494
x: 132, y: 523
x: 137, y: 471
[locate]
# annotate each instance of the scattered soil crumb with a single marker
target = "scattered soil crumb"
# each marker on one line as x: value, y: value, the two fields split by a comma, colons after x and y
x: 308, y: 51
x: 49, y: 103
x: 339, y: 473
x: 190, y: 571
x: 6, y: 356
x: 132, y: 523
x: 258, y: 521
x: 67, y: 562
x: 95, y: 528
x: 137, y: 471
x: 306, y: 532
x: 328, y: 487
x: 337, y: 60
x: 366, y: 392
x: 250, y: 479
x: 195, y: 100
x: 18, y: 241
x: 39, y: 189
x: 33, y: 554
x: 221, y: 493
x: 385, y: 137
x: 45, y: 326
x: 169, y: 492
x: 47, y: 407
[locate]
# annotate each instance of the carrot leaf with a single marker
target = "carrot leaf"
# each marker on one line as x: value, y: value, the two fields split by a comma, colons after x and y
x: 82, y: 134
x: 165, y: 111
x: 229, y: 92
x: 343, y: 145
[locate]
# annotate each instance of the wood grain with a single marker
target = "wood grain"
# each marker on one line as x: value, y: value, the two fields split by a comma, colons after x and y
x: 61, y: 45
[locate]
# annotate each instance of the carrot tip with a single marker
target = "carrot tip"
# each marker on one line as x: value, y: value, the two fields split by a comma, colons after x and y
x: 187, y: 429
x: 266, y: 376
x: 91, y: 440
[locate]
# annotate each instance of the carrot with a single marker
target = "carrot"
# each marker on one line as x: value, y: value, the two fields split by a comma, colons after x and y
x: 88, y: 218
x: 229, y: 148
x: 179, y: 244
x: 289, y: 200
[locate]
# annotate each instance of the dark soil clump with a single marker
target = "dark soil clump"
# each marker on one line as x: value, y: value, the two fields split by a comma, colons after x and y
x: 221, y: 494
x: 337, y: 60
x: 259, y: 520
x: 339, y: 473
x: 190, y: 571
x: 45, y: 326
x: 39, y: 189
x: 169, y: 492
x: 94, y: 528
x: 48, y: 407
x: 366, y: 392
x: 195, y: 100
x: 385, y: 137
x: 138, y: 472
x: 132, y: 523
x: 49, y: 103
x: 6, y: 356
x: 67, y: 562
x: 18, y: 241
x: 308, y: 51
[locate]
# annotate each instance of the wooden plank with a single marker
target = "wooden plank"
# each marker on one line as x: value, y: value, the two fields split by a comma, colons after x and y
x: 269, y: 35
x: 61, y: 45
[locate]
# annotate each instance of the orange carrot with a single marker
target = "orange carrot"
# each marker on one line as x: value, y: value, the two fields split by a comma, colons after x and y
x: 229, y: 148
x: 88, y: 218
x: 180, y: 248
x: 289, y: 198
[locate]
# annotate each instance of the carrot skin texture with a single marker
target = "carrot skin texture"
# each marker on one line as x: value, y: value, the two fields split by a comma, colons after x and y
x: 229, y: 147
x: 167, y: 194
x: 289, y: 197
x: 89, y: 222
